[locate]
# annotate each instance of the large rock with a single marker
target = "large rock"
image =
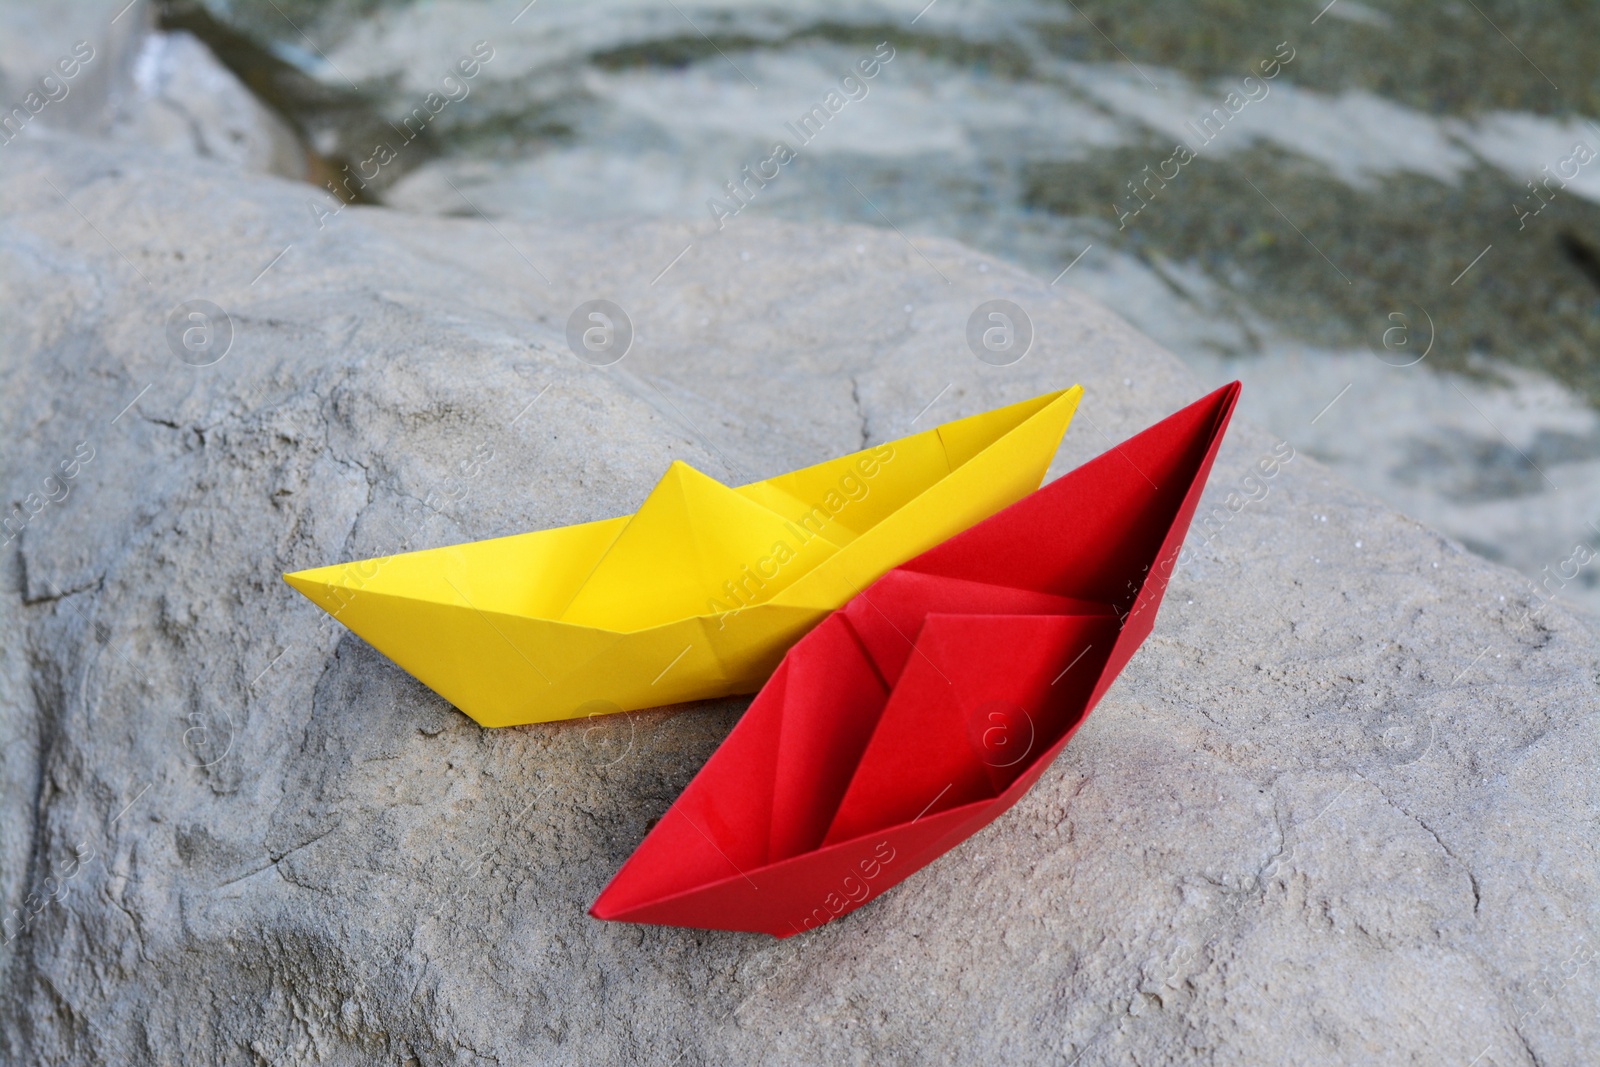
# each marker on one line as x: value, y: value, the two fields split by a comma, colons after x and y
x: 1341, y: 808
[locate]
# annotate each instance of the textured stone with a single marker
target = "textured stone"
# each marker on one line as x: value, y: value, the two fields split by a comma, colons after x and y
x: 1341, y: 808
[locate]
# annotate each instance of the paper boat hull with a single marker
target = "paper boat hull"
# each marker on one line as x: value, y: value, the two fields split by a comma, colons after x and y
x: 731, y: 852
x: 480, y: 623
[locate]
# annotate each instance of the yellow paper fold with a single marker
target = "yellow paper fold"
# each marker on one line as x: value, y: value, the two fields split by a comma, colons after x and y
x: 699, y: 593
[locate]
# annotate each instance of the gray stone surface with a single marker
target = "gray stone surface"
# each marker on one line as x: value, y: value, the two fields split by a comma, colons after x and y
x: 1340, y: 809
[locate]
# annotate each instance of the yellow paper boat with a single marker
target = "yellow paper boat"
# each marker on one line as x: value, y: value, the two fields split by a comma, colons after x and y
x: 699, y: 593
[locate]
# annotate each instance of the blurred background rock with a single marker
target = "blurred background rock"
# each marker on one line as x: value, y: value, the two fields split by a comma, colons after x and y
x: 1361, y: 241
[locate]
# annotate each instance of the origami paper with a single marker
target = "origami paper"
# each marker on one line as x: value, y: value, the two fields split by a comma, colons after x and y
x: 697, y: 594
x: 929, y: 704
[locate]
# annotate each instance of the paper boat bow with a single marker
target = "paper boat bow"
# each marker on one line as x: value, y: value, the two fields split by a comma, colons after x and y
x: 697, y: 594
x: 926, y: 707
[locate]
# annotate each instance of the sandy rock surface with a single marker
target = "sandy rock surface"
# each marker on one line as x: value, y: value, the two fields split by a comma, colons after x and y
x: 1341, y: 808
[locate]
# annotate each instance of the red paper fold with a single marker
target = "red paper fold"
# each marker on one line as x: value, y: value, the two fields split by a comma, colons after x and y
x: 923, y: 709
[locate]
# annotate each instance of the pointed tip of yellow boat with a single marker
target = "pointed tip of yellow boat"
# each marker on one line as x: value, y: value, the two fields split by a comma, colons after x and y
x: 313, y: 584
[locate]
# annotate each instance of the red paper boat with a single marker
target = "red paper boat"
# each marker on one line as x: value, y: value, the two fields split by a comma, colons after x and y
x: 912, y: 717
